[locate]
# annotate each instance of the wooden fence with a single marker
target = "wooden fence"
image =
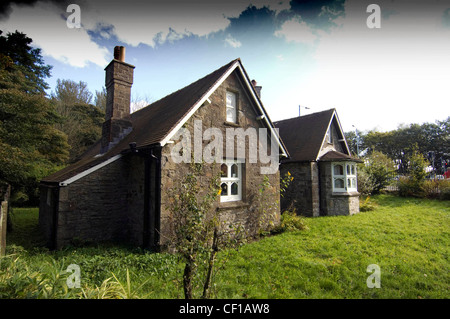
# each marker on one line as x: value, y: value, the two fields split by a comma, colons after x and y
x: 4, y: 197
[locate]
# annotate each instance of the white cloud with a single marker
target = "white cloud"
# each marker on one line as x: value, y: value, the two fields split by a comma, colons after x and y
x: 229, y: 40
x: 155, y: 22
x: 48, y: 30
x: 132, y: 22
x: 297, y: 30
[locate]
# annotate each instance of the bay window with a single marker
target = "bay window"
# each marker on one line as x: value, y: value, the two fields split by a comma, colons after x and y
x: 344, y: 177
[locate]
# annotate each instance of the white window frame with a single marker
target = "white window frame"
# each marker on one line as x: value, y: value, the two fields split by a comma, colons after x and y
x: 229, y: 180
x: 349, y: 176
x: 231, y: 108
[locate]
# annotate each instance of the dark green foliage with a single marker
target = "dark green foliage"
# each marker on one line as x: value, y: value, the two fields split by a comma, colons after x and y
x: 17, y: 54
x: 30, y: 146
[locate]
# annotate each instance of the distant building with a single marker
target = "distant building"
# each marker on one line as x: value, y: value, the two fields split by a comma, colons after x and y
x: 325, y: 173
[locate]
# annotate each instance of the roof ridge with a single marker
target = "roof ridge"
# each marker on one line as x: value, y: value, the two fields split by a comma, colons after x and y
x: 304, y: 116
x: 226, y: 66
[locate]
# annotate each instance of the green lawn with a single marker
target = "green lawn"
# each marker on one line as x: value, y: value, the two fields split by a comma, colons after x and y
x: 407, y: 238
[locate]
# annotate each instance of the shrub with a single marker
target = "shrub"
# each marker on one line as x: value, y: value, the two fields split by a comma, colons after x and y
x: 444, y: 187
x: 380, y: 169
x: 408, y: 187
x: 367, y: 205
x: 365, y: 183
x: 290, y: 221
x: 414, y: 183
x: 431, y: 188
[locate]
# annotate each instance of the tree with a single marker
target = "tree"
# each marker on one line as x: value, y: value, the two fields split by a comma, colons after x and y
x: 197, y: 232
x: 69, y: 92
x: 380, y: 170
x: 413, y: 183
x: 100, y: 99
x: 30, y: 146
x: 399, y: 144
x: 17, y: 54
x: 81, y: 121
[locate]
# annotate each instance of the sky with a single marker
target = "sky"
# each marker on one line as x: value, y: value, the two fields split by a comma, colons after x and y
x: 380, y: 68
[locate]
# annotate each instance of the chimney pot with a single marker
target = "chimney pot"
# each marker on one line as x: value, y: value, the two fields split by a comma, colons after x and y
x: 257, y: 88
x: 119, y: 53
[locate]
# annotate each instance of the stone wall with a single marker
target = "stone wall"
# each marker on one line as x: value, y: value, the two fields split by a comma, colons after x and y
x: 246, y: 210
x: 335, y: 203
x: 302, y: 193
x: 94, y: 208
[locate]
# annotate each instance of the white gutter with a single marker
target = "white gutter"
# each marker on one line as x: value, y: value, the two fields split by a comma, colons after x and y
x: 89, y: 171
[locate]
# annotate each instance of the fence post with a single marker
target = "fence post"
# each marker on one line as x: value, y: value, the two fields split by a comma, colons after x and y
x: 3, y: 218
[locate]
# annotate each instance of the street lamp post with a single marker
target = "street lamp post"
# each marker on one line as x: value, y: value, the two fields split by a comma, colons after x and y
x: 357, y: 140
x: 299, y: 108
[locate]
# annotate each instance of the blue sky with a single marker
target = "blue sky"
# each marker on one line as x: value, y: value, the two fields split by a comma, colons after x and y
x: 318, y: 54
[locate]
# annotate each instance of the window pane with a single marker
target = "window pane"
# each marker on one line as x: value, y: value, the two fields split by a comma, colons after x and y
x: 338, y: 170
x: 223, y: 170
x: 234, y: 189
x: 349, y: 183
x: 353, y: 170
x: 339, y: 183
x: 234, y: 170
x: 231, y: 99
x: 348, y: 169
x: 231, y: 115
x: 224, y: 188
x: 231, y: 107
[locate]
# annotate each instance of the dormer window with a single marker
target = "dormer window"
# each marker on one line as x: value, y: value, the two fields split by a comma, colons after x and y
x: 231, y: 107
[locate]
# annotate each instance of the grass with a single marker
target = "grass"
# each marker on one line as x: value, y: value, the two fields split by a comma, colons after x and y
x: 407, y: 238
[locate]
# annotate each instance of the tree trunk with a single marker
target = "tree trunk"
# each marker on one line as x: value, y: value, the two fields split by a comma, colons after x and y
x: 4, y: 197
x: 212, y: 259
x: 187, y: 278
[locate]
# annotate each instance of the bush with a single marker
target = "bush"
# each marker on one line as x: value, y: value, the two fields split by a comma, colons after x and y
x: 380, y: 170
x: 431, y: 188
x: 414, y: 183
x: 365, y: 183
x: 409, y: 187
x: 290, y: 221
x: 444, y: 187
x: 367, y: 205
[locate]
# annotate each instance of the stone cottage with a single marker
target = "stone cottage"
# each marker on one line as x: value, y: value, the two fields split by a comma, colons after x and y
x: 119, y: 189
x: 320, y: 161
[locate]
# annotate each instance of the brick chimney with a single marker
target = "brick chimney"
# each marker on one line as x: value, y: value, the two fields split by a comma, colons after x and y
x: 118, y: 82
x: 257, y: 88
